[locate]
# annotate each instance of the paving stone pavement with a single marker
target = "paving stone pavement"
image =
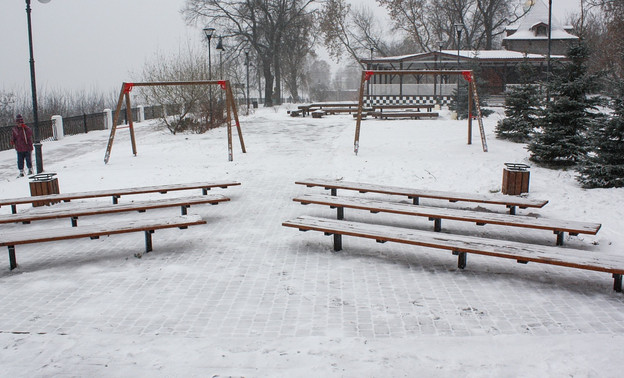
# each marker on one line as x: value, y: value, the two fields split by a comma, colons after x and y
x: 244, y: 275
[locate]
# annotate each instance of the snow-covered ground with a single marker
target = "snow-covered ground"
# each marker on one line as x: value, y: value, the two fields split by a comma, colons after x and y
x: 244, y: 296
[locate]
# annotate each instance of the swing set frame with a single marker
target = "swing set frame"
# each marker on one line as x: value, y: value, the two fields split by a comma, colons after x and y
x: 126, y: 88
x: 472, y: 94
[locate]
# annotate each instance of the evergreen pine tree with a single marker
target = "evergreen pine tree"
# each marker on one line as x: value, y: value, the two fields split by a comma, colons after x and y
x: 562, y: 141
x: 522, y: 108
x: 460, y: 103
x: 604, y: 168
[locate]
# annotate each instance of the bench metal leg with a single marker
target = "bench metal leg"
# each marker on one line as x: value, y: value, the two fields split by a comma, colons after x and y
x: 12, y: 260
x: 560, y: 235
x: 205, y: 191
x: 437, y: 224
x: 334, y: 191
x: 340, y: 213
x: 183, y: 209
x: 512, y: 210
x: 337, y: 242
x: 74, y: 221
x: 13, y: 209
x: 115, y: 200
x: 617, y: 282
x: 148, y: 240
x: 461, y: 259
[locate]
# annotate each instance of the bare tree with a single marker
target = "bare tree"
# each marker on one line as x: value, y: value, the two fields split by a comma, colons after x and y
x: 429, y: 22
x: 189, y: 101
x: 298, y: 47
x: 350, y: 32
x: 262, y: 24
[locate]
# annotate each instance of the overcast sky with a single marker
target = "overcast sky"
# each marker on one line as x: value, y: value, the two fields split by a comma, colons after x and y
x: 97, y: 44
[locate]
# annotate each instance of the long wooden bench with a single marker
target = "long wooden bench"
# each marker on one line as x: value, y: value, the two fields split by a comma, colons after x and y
x: 462, y: 245
x: 115, y: 193
x: 140, y: 206
x: 405, y: 114
x: 429, y: 107
x: 436, y: 214
x: 511, y: 202
x: 306, y: 109
x: 148, y: 226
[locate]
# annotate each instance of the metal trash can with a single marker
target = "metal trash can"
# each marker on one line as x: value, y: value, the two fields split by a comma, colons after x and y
x: 43, y: 184
x: 254, y: 104
x: 515, y: 179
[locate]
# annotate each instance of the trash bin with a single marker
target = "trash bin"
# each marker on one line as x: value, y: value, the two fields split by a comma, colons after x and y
x: 42, y: 184
x: 516, y: 178
x: 254, y: 104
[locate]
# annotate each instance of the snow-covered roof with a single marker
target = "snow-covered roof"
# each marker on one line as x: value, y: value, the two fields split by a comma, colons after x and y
x: 538, y: 14
x: 472, y: 54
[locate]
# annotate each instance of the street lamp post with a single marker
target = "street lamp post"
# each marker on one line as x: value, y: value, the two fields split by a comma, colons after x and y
x: 247, y: 69
x: 440, y: 45
x: 369, y: 84
x: 548, y: 57
x: 209, y: 32
x: 220, y: 48
x: 33, y: 84
x: 458, y: 28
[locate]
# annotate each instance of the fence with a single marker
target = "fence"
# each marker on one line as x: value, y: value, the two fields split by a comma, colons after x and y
x: 78, y: 124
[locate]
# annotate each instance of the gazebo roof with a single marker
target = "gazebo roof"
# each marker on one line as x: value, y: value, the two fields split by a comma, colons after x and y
x: 480, y: 55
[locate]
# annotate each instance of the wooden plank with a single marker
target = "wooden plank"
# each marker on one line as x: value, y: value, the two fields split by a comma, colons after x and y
x: 54, y: 234
x: 452, y: 214
x: 119, y: 192
x: 573, y: 258
x: 381, y: 114
x: 424, y: 193
x: 55, y: 213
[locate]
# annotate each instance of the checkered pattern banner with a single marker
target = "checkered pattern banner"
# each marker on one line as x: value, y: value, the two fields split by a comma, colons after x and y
x: 406, y: 100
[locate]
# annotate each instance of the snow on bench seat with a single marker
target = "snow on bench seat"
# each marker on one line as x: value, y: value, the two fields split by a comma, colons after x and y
x: 116, y: 193
x: 436, y: 214
x: 510, y: 201
x: 141, y: 206
x: 11, y: 239
x: 462, y: 245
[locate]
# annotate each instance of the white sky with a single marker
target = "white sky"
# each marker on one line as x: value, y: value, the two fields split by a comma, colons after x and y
x: 96, y: 44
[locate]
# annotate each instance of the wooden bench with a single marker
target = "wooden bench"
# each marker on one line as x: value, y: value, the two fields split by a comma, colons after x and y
x: 140, y: 206
x: 406, y: 114
x: 510, y: 202
x: 116, y: 193
x: 294, y: 113
x: 436, y: 214
x: 148, y: 226
x: 462, y: 245
x: 429, y: 107
x: 318, y: 114
x: 335, y: 106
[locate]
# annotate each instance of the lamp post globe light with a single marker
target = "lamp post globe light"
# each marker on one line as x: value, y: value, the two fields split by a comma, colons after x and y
x: 33, y: 85
x: 209, y: 32
x: 458, y: 29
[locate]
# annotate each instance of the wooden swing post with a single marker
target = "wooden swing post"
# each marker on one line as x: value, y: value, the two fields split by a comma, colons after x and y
x: 472, y: 95
x: 125, y: 94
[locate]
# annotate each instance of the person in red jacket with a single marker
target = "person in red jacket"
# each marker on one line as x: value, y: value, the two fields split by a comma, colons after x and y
x: 22, y: 140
